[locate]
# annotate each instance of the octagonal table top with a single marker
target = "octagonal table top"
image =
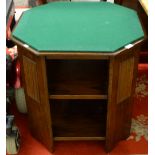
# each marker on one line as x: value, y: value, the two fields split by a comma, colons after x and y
x: 78, y: 27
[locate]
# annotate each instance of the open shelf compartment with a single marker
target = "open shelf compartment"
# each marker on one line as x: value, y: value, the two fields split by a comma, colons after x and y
x: 77, y: 79
x: 78, y: 119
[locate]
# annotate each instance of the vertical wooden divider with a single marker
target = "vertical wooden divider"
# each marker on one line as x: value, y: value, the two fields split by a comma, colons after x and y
x: 36, y: 91
x: 122, y: 80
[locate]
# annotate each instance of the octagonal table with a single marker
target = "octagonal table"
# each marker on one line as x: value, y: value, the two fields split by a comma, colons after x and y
x: 79, y: 63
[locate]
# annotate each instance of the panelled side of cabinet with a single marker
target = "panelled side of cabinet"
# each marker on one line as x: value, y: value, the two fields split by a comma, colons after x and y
x: 30, y: 70
x: 125, y: 79
x: 33, y: 70
x: 122, y: 80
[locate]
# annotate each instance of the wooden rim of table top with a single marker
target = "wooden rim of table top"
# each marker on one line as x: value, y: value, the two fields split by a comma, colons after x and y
x: 74, y: 55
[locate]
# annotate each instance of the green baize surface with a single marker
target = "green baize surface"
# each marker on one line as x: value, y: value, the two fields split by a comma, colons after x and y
x: 78, y: 27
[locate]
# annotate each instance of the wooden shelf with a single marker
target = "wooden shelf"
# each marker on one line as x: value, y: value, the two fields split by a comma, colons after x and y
x: 78, y: 98
x: 73, y: 97
x: 77, y: 138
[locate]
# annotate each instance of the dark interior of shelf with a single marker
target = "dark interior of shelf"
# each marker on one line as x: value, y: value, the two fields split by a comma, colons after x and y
x: 78, y: 118
x: 77, y: 77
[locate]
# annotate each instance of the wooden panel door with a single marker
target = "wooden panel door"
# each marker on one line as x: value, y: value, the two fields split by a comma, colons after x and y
x: 35, y: 85
x: 122, y: 78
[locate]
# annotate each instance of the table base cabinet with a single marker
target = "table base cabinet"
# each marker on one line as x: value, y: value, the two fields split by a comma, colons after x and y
x: 75, y: 97
x: 79, y: 70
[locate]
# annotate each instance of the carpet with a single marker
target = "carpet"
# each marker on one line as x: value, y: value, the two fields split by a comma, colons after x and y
x: 137, y: 143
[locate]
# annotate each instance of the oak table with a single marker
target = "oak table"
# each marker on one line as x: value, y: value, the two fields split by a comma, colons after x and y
x: 79, y: 64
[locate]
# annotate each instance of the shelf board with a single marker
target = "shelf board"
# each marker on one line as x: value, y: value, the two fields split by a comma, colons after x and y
x: 72, y: 97
x: 77, y: 138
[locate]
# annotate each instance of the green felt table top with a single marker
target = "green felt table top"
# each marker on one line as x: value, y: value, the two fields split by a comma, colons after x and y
x: 78, y: 27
